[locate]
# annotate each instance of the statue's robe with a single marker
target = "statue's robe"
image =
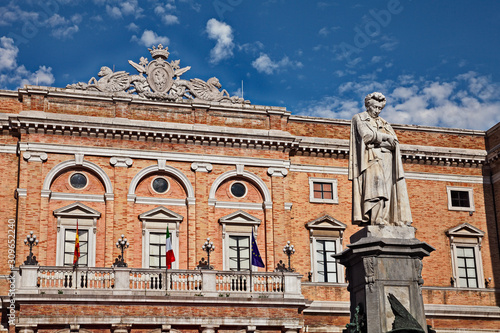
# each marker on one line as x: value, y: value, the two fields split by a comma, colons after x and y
x: 376, y: 173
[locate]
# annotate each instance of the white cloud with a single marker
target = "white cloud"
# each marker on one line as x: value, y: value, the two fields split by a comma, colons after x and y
x: 123, y: 8
x: 169, y: 19
x: 12, y: 75
x: 133, y: 27
x: 324, y: 31
x: 8, y: 54
x: 166, y: 17
x: 264, y: 64
x: 251, y: 48
x: 63, y: 28
x: 223, y: 34
x: 12, y: 13
x: 114, y: 12
x: 65, y: 32
x: 467, y: 101
x: 150, y: 38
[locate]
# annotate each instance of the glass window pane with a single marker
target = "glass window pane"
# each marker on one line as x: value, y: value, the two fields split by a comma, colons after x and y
x: 327, y: 187
x: 461, y: 262
x: 153, y: 261
x: 470, y: 262
x: 471, y: 273
x: 472, y: 283
x: 332, y: 277
x: 330, y: 246
x: 462, y: 282
x: 468, y: 252
x: 154, y: 250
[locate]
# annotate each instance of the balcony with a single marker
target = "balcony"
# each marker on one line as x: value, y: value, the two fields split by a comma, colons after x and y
x: 155, y: 282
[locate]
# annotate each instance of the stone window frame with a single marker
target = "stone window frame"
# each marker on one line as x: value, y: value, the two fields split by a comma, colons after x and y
x: 67, y: 217
x: 326, y: 228
x: 156, y: 221
x: 466, y: 235
x: 332, y: 181
x: 239, y: 223
x: 165, y: 179
x: 469, y: 190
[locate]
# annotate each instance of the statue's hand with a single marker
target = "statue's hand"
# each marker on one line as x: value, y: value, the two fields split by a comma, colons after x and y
x: 391, y: 140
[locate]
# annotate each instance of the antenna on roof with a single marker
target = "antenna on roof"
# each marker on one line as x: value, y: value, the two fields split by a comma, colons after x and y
x: 242, y: 90
x: 113, y: 68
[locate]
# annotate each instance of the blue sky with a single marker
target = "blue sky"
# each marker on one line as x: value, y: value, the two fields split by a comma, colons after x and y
x: 436, y: 61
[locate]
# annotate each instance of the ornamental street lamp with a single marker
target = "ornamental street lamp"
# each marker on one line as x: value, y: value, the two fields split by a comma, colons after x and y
x: 31, y: 241
x: 289, y: 250
x: 122, y: 244
x: 208, y: 247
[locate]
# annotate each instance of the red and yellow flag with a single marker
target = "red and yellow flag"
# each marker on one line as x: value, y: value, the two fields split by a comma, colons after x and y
x: 76, y: 255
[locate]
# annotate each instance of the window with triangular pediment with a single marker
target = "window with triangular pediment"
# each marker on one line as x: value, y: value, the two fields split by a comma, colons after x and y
x: 68, y: 218
x: 326, y: 235
x: 154, y: 232
x: 465, y: 244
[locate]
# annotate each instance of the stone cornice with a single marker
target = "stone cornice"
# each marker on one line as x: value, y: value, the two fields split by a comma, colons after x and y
x: 121, y: 128
x: 399, y: 127
x: 200, y: 134
x: 432, y: 155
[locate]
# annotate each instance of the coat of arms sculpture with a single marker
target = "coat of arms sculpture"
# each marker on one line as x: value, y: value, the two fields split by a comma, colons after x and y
x: 158, y: 79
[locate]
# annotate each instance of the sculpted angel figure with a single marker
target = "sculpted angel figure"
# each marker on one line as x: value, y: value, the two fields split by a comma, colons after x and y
x: 379, y: 195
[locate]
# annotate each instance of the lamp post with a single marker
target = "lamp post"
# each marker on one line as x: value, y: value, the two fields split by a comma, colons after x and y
x: 289, y: 250
x: 31, y: 241
x: 121, y: 243
x: 208, y: 247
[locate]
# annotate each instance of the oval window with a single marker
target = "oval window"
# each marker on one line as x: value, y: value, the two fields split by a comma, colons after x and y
x: 78, y: 180
x: 238, y: 190
x: 160, y: 185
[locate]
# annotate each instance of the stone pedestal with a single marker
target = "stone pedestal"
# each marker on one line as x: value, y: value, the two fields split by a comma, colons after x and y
x: 382, y: 261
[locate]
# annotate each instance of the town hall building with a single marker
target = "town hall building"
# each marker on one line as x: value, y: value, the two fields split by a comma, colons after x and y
x: 129, y: 156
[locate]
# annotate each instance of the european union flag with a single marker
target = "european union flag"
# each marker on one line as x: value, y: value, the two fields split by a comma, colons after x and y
x: 256, y: 258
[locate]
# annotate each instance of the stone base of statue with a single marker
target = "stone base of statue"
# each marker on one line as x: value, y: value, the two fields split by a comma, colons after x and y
x: 384, y: 269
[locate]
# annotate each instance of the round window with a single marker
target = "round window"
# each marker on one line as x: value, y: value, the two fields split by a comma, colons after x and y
x: 78, y: 180
x: 160, y: 185
x: 238, y: 190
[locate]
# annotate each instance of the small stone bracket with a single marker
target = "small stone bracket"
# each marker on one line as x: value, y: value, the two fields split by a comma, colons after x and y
x: 35, y: 156
x: 125, y: 162
x: 277, y: 172
x: 201, y: 167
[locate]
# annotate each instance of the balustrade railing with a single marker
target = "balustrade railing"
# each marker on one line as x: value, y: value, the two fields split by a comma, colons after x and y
x: 115, y: 280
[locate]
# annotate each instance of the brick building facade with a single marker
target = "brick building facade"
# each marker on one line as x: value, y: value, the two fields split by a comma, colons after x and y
x: 120, y: 164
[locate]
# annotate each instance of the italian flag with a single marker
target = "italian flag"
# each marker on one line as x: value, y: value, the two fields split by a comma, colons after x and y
x: 170, y: 257
x: 76, y: 254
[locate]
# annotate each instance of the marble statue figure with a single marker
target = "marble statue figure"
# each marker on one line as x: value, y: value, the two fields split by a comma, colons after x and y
x: 379, y: 195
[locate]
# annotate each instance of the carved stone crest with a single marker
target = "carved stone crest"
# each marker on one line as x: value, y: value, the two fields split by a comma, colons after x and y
x: 158, y: 79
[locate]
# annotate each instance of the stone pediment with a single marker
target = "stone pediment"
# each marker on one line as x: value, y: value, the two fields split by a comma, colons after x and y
x: 465, y: 230
x: 326, y: 222
x: 159, y: 80
x: 76, y: 210
x: 160, y: 214
x: 240, y: 217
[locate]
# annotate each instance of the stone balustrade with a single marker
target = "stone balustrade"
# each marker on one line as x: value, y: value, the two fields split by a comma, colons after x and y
x: 155, y: 282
